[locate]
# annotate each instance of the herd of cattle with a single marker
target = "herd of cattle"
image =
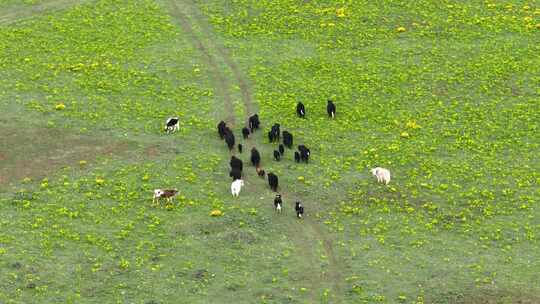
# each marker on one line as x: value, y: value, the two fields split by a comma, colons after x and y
x: 274, y: 136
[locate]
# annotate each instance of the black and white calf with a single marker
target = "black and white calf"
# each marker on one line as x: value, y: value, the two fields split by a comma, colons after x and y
x: 278, y: 203
x: 254, y: 122
x: 304, y: 153
x: 273, y: 181
x: 287, y: 139
x: 255, y: 157
x: 172, y: 124
x: 331, y: 109
x: 299, y: 210
x: 301, y: 110
x: 277, y: 155
x: 245, y: 132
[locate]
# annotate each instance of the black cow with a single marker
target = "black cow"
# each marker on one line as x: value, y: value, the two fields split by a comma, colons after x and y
x: 278, y: 203
x: 221, y: 127
x: 281, y: 149
x: 239, y: 148
x: 229, y: 139
x: 255, y: 157
x: 331, y: 109
x: 254, y: 122
x: 245, y: 132
x: 235, y: 174
x: 299, y: 210
x: 296, y: 156
x: 236, y: 163
x: 277, y: 131
x: 271, y: 137
x: 273, y: 181
x: 304, y: 153
x: 287, y: 139
x: 277, y: 155
x: 301, y: 110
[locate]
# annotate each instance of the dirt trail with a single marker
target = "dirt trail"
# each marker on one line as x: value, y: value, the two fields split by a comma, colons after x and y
x: 222, y: 86
x: 19, y: 13
x: 307, y: 234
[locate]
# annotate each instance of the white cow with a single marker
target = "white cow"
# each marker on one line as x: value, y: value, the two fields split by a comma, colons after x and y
x: 236, y: 186
x: 382, y: 174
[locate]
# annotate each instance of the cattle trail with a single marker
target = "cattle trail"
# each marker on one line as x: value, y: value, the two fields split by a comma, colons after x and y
x: 306, y: 233
x: 220, y: 81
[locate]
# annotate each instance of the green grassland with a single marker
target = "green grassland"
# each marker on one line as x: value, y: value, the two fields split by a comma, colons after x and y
x: 446, y: 94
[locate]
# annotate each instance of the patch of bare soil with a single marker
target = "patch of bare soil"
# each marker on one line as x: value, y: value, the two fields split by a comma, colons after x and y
x: 37, y: 152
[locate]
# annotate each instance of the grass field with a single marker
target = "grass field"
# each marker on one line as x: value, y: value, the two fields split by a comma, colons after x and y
x: 446, y: 94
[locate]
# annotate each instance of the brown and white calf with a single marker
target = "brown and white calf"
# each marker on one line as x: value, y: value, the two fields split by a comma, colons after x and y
x: 167, y: 194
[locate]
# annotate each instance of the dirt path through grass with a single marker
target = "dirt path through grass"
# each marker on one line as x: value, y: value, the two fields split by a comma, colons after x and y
x: 19, y: 13
x: 220, y: 82
x: 308, y: 235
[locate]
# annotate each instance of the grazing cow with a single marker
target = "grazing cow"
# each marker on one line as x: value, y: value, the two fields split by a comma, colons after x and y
x: 304, y: 153
x: 245, y: 132
x: 229, y: 139
x: 221, y: 127
x: 281, y: 149
x: 167, y: 194
x: 277, y: 155
x: 236, y: 186
x: 331, y: 109
x: 255, y: 157
x: 278, y: 203
x: 299, y: 210
x: 240, y: 148
x: 296, y: 156
x: 301, y: 110
x: 235, y: 174
x: 382, y: 174
x: 260, y: 172
x: 172, y: 124
x: 273, y: 181
x: 254, y: 122
x: 236, y: 163
x: 287, y: 139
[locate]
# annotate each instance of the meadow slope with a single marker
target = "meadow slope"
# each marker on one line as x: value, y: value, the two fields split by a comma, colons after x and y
x: 444, y: 94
